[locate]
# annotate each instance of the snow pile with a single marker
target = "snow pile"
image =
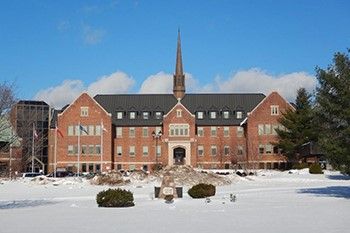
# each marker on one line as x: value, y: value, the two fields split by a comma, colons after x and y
x: 110, y: 178
x: 41, y: 180
x: 187, y: 176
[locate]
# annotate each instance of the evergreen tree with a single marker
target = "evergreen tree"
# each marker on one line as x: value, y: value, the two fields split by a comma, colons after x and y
x: 298, y: 126
x: 333, y: 111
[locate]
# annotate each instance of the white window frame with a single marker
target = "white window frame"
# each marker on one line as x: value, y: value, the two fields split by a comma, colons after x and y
x: 119, y: 115
x: 70, y: 130
x: 274, y: 110
x: 145, y: 115
x: 239, y: 114
x: 226, y: 150
x: 132, y: 152
x: 226, y: 114
x: 212, y: 149
x: 119, y: 132
x: 213, y: 114
x: 119, y: 151
x: 179, y: 130
x: 179, y: 113
x: 240, y: 131
x: 144, y: 132
x: 145, y: 150
x: 200, y: 149
x: 132, y: 132
x: 213, y: 131
x: 200, y: 129
x: 84, y: 111
x: 226, y: 131
x: 200, y: 115
x: 132, y: 115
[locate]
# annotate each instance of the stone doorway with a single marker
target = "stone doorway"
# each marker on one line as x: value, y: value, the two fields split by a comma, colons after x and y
x: 179, y: 156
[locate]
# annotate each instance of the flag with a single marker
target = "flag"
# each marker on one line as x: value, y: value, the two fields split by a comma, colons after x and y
x: 83, y: 129
x: 103, y: 127
x: 35, y: 134
x: 59, y: 132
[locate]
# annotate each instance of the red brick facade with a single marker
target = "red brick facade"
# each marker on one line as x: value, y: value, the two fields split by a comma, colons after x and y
x: 181, y: 140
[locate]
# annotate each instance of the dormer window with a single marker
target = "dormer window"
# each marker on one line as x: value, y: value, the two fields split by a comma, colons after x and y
x: 200, y: 115
x: 145, y: 115
x: 212, y: 115
x: 132, y: 115
x: 159, y: 115
x: 226, y: 114
x: 119, y: 115
x: 239, y: 114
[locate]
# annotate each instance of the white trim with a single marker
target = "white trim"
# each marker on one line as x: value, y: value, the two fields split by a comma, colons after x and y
x: 74, y: 162
x: 131, y: 163
x: 179, y: 103
x: 107, y: 113
x: 266, y: 97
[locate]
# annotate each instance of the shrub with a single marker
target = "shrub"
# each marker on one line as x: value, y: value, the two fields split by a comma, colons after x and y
x: 315, y: 169
x: 169, y: 198
x: 300, y: 166
x: 115, y: 198
x: 202, y: 190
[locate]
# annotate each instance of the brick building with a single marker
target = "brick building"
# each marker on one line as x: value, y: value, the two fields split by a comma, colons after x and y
x: 138, y: 131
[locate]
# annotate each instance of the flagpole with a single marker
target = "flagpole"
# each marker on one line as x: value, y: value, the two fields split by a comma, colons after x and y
x: 33, y: 149
x: 102, y: 129
x: 55, y: 154
x: 79, y: 149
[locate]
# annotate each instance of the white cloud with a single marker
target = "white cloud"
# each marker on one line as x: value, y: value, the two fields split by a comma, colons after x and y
x: 162, y: 83
x: 69, y: 90
x: 256, y: 80
x: 62, y: 94
x: 92, y: 35
x: 117, y: 82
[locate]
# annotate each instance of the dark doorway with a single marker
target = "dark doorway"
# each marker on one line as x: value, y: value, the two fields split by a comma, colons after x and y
x: 179, y: 156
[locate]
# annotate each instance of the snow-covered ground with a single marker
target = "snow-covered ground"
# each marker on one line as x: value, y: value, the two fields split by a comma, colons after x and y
x: 270, y: 202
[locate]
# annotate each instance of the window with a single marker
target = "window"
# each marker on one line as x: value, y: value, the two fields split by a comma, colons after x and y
x: 260, y: 129
x: 132, y: 151
x: 200, y: 115
x: 98, y: 130
x: 132, y: 167
x: 84, y: 111
x: 200, y: 150
x: 159, y: 115
x: 274, y: 110
x: 275, y: 150
x: 70, y: 130
x: 274, y: 127
x: 261, y: 149
x: 91, y: 149
x: 119, y: 131
x: 132, y: 115
x: 145, y: 132
x: 83, y: 149
x: 226, y: 131
x: 83, y: 167
x: 226, y: 150
x: 212, y: 115
x: 119, y: 151
x: 145, y: 115
x: 131, y: 132
x: 213, y: 150
x: 75, y: 149
x: 213, y: 131
x: 226, y: 114
x: 145, y: 150
x: 159, y: 150
x: 98, y: 149
x: 239, y: 150
x: 269, y: 149
x: 77, y: 130
x: 119, y: 115
x: 240, y: 131
x: 91, y: 130
x: 200, y: 131
x: 179, y: 113
x: 70, y: 149
x: 179, y: 130
x: 267, y: 129
x: 239, y: 114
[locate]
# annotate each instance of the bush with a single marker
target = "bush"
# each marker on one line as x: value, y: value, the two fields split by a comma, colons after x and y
x: 202, y: 190
x: 115, y: 198
x: 315, y: 169
x: 169, y: 198
x: 300, y: 166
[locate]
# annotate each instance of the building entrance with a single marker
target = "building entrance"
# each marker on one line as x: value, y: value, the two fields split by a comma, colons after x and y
x: 179, y: 156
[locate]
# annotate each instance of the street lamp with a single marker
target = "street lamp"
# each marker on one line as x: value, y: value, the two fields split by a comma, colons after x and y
x: 157, y: 136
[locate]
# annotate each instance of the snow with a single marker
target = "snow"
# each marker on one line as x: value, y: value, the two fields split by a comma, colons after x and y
x: 270, y: 202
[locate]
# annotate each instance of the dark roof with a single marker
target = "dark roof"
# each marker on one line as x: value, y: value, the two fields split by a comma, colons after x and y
x: 136, y: 103
x: 32, y: 102
x: 165, y: 102
x: 219, y: 103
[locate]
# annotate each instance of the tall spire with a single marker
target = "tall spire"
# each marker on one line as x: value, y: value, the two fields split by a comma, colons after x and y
x: 179, y: 77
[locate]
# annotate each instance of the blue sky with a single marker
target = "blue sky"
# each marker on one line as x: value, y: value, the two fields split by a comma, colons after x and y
x: 53, y: 50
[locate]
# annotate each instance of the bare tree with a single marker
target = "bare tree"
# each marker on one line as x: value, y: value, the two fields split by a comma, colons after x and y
x: 7, y: 100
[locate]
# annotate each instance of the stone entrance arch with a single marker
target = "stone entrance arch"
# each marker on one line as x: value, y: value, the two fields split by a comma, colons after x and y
x: 179, y: 155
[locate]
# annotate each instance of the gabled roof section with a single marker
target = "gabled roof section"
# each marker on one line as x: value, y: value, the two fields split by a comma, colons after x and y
x: 139, y: 102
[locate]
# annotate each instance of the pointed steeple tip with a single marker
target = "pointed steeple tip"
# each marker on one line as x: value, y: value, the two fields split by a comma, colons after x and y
x: 178, y: 68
